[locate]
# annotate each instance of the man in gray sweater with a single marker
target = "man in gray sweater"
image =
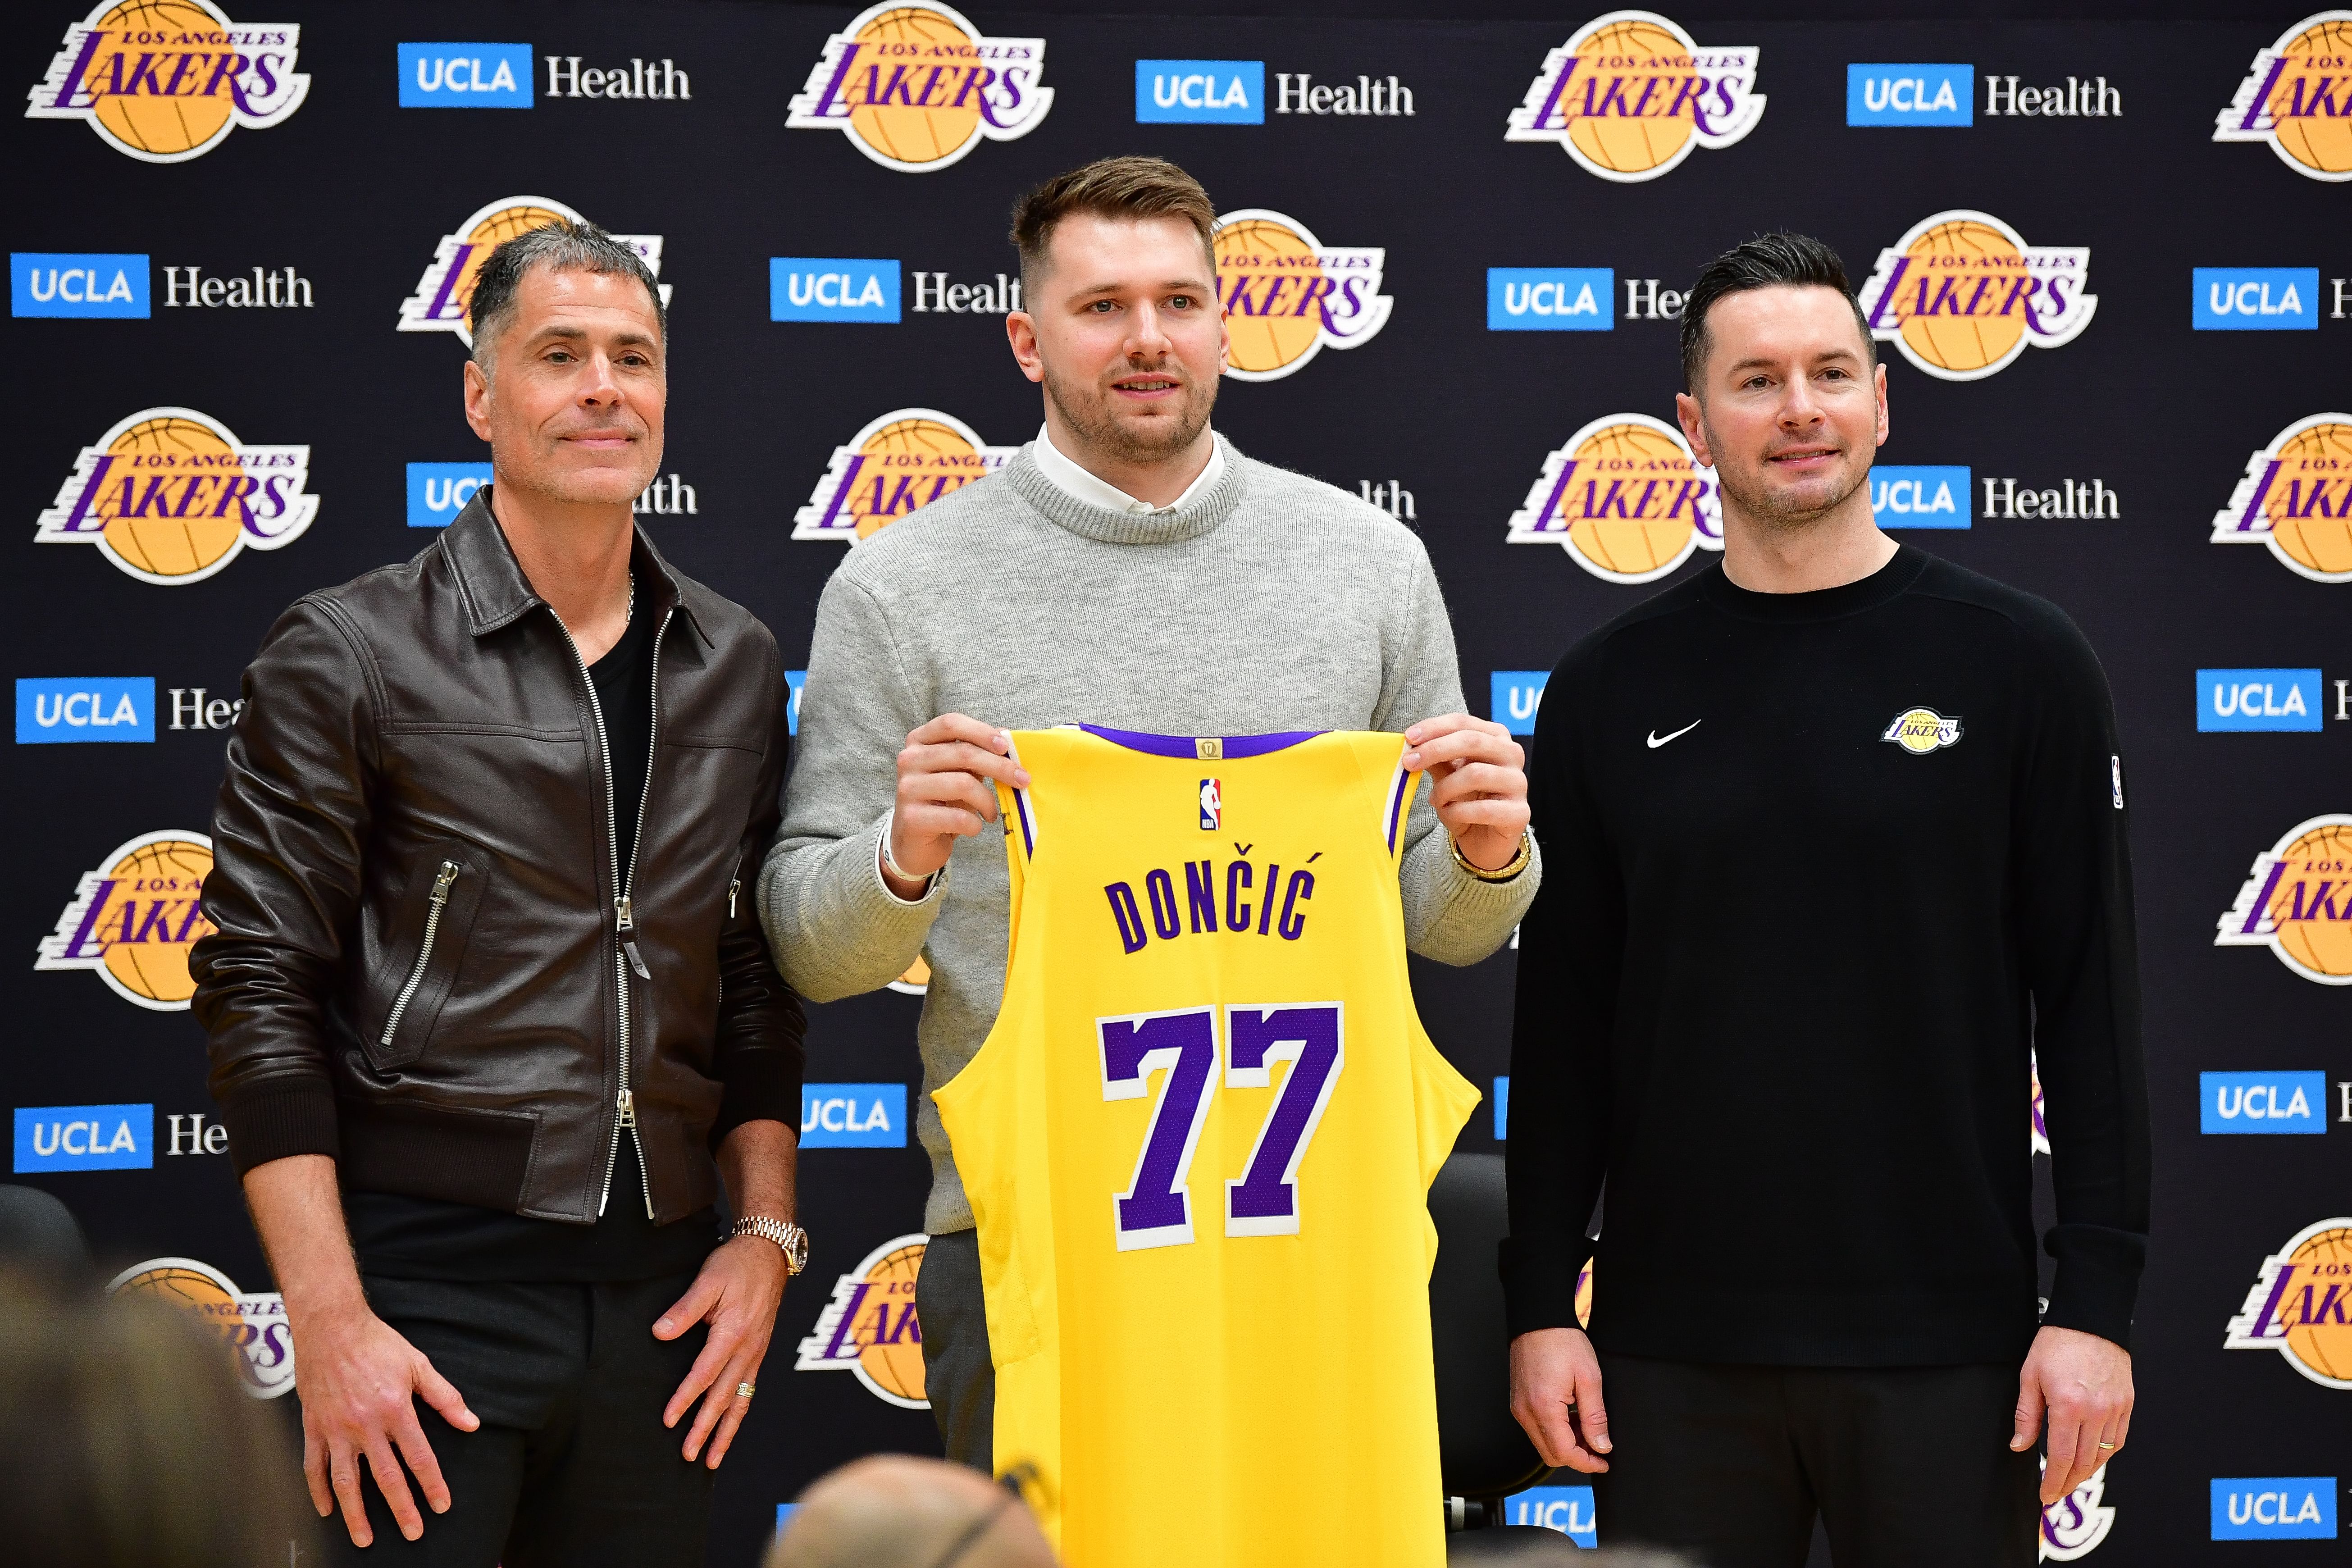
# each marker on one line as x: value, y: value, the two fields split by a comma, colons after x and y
x: 1128, y: 568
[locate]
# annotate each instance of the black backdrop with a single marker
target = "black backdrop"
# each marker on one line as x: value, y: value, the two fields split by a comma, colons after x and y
x: 353, y: 192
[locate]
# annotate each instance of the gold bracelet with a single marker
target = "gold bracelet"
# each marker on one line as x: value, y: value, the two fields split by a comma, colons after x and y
x: 1518, y: 861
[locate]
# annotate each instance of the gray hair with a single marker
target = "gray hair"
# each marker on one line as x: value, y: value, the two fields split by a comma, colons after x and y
x: 563, y: 246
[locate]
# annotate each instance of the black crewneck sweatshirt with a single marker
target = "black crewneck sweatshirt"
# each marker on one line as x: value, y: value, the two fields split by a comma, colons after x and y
x: 1820, y: 870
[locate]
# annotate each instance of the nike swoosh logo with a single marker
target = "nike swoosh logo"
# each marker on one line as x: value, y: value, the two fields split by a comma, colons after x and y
x: 1657, y: 740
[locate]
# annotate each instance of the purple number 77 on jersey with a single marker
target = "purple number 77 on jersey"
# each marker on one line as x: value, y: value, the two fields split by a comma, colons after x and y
x: 1309, y: 1035
x: 1156, y: 1210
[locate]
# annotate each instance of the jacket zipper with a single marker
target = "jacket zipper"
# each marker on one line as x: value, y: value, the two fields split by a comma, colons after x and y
x: 449, y: 869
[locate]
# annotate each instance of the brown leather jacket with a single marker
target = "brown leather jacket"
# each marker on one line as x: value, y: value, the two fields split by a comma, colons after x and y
x: 425, y: 964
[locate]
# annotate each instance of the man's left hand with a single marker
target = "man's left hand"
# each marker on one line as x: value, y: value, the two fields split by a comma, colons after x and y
x: 1479, y: 779
x: 738, y: 1292
x: 2085, y: 1384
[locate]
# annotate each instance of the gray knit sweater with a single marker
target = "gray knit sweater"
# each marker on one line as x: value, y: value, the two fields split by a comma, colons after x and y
x: 1271, y: 602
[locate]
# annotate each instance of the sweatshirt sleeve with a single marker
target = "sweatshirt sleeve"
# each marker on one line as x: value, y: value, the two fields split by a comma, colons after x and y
x: 759, y: 1054
x: 1571, y: 946
x: 2073, y: 890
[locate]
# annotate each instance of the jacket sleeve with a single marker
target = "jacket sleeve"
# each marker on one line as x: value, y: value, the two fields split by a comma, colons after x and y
x: 2080, y: 955
x: 293, y: 815
x: 759, y: 1054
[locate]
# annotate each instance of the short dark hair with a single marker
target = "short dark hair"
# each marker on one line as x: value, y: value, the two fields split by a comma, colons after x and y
x: 1113, y: 188
x: 1775, y: 260
x: 564, y: 246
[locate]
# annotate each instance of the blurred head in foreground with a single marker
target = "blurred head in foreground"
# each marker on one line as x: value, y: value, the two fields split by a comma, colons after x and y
x: 896, y: 1512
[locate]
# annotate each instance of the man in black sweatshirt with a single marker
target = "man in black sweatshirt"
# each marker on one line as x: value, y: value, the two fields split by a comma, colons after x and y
x: 1837, y: 837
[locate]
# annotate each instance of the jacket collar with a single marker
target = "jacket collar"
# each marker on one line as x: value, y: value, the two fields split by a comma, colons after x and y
x: 497, y: 594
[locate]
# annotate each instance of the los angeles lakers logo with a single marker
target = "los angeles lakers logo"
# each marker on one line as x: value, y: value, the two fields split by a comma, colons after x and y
x: 2040, y: 1140
x: 2297, y: 497
x: 2294, y: 98
x: 171, y: 496
x: 1962, y: 294
x: 1920, y: 731
x: 1288, y: 296
x: 2298, y: 903
x: 2073, y: 1526
x: 165, y: 81
x: 134, y: 918
x: 1631, y: 94
x: 899, y: 463
x: 917, y: 87
x: 444, y: 299
x: 2302, y: 1305
x: 251, y: 1325
x: 869, y: 1327
x: 1626, y: 498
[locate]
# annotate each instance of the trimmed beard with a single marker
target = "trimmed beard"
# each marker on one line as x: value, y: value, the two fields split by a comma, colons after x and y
x: 1772, y: 508
x: 1094, y: 424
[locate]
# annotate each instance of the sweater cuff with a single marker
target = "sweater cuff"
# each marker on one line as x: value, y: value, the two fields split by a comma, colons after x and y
x: 2098, y: 1279
x: 281, y: 1120
x: 761, y: 1086
x: 1540, y: 1282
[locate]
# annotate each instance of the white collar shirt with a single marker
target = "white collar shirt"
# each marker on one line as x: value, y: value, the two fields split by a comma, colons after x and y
x: 1076, y: 482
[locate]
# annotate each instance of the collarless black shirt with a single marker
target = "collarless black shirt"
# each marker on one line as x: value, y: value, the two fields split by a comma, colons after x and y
x: 1821, y: 870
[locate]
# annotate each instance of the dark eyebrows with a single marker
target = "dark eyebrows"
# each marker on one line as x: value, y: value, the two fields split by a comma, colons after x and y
x: 558, y: 332
x: 1171, y: 286
x: 1827, y: 356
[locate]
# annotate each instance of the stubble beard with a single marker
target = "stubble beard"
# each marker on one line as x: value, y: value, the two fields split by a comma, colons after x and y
x: 1088, y: 411
x: 1777, y: 508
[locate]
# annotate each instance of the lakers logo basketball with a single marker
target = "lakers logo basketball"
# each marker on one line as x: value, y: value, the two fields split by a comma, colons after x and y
x: 1962, y: 294
x: 869, y: 1327
x: 171, y: 496
x: 2302, y: 1305
x: 252, y: 1326
x: 915, y: 87
x: 1626, y: 498
x: 2297, y: 497
x: 444, y: 299
x: 899, y: 463
x: 2294, y: 98
x: 1288, y: 296
x: 1920, y: 731
x: 165, y: 81
x: 2298, y: 903
x: 134, y: 918
x: 1631, y: 94
x: 2073, y: 1526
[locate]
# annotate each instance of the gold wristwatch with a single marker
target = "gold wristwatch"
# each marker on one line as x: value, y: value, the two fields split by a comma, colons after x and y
x: 1518, y: 861
x: 788, y: 1238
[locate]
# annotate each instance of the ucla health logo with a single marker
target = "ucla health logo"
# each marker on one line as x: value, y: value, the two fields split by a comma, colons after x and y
x: 2297, y: 497
x: 1199, y: 92
x: 1549, y: 298
x: 171, y: 496
x: 831, y: 288
x: 2274, y: 1508
x: 52, y: 710
x: 134, y: 918
x: 1629, y: 94
x: 2293, y: 97
x: 1288, y: 296
x: 869, y: 1327
x: 438, y: 492
x: 899, y: 463
x: 444, y: 299
x: 1962, y: 294
x: 251, y: 1324
x: 165, y: 81
x: 465, y: 76
x: 2073, y: 1526
x: 2254, y: 298
x: 1910, y: 95
x: 47, y: 283
x: 2298, y: 1307
x: 1567, y: 1510
x: 915, y: 87
x: 85, y: 1138
x: 2258, y: 699
x: 1930, y: 497
x: 1514, y: 698
x: 2262, y: 1101
x: 853, y: 1116
x: 1626, y: 498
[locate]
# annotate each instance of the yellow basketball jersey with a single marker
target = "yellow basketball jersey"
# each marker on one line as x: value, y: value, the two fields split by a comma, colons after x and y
x: 1199, y: 1144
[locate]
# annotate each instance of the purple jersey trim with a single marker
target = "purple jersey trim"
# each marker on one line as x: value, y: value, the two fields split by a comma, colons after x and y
x: 1187, y: 746
x: 1396, y: 806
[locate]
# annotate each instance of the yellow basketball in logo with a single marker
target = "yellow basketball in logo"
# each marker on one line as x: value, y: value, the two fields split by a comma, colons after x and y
x: 2301, y: 918
x: 1584, y: 1297
x: 2319, y: 1340
x: 2319, y: 456
x: 154, y: 914
x: 2322, y: 142
x: 189, y: 1289
x: 1258, y: 256
x: 916, y: 38
x: 488, y: 236
x: 894, y: 1362
x: 155, y: 543
x: 160, y: 125
x: 1628, y: 144
x: 1633, y: 546
x: 913, y: 462
x: 1970, y: 254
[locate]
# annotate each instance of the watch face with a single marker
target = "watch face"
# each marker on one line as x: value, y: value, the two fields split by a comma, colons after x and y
x: 796, y: 1249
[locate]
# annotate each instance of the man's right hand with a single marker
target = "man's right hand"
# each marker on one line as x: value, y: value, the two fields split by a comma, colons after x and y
x: 945, y: 793
x: 358, y: 1378
x: 1556, y: 1397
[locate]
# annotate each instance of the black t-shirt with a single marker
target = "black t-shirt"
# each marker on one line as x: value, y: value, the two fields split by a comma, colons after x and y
x: 1820, y: 870
x: 428, y: 1239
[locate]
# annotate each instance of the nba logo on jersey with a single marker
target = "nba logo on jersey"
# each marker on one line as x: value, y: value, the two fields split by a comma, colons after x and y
x: 1212, y: 805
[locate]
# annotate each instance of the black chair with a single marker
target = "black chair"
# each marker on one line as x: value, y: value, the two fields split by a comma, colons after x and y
x: 1485, y: 1455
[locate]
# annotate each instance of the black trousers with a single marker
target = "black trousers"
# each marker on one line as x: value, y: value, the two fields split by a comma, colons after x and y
x: 572, y: 1465
x: 1908, y: 1466
x: 958, y: 1377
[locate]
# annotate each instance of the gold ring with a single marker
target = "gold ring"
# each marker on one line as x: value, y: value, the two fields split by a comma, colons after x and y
x: 2106, y: 1445
x: 745, y: 1389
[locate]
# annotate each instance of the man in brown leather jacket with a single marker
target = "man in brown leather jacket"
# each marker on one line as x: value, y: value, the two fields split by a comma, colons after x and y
x: 490, y: 1013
